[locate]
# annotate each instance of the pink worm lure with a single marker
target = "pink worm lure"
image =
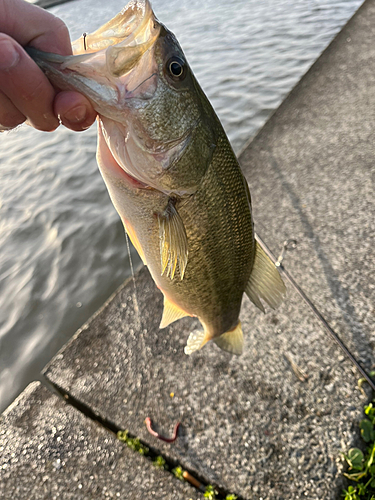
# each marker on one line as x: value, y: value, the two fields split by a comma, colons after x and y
x: 154, y: 433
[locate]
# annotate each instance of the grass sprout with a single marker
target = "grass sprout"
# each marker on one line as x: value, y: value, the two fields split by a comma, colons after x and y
x: 362, y: 465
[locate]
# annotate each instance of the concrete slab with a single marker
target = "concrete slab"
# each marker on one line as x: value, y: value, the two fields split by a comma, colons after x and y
x: 272, y: 423
x: 249, y: 424
x: 50, y: 450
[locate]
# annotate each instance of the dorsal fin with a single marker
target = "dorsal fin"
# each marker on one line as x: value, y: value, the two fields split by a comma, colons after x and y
x: 265, y: 281
x: 231, y: 341
x: 171, y: 313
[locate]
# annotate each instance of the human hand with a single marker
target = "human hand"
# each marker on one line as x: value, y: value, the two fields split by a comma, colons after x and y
x: 25, y: 92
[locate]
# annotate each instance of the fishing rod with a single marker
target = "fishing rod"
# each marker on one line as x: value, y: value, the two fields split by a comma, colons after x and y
x: 278, y: 263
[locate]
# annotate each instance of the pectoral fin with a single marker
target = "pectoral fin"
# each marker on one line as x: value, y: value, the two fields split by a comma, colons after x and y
x: 265, y: 281
x: 171, y: 313
x: 231, y: 341
x: 173, y: 242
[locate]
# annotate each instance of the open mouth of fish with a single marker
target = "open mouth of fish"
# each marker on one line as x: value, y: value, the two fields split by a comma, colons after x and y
x: 114, y: 67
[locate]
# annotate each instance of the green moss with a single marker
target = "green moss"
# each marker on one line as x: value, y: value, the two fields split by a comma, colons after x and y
x: 210, y: 492
x: 178, y: 472
x: 133, y: 443
x: 160, y: 463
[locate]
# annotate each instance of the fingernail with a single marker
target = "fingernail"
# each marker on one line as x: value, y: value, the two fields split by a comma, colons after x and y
x: 77, y: 114
x: 9, y: 55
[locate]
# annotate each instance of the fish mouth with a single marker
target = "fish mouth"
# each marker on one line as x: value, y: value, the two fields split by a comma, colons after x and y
x: 102, y: 63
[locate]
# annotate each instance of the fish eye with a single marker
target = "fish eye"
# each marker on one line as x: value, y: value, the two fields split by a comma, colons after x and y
x: 176, y: 68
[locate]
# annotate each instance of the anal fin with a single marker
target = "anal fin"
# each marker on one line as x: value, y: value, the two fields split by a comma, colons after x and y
x: 265, y: 281
x: 173, y: 241
x: 171, y: 313
x: 231, y: 341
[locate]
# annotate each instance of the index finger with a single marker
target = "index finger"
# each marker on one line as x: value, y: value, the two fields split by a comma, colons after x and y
x: 24, y: 87
x: 43, y: 30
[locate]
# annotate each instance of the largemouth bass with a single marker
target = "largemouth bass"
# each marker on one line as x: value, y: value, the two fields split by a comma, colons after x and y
x: 171, y: 173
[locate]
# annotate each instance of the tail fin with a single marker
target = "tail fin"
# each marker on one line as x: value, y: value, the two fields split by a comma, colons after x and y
x: 265, y: 281
x: 231, y: 341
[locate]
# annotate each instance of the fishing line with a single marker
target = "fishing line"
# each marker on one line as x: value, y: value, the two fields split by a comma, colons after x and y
x: 135, y: 299
x: 138, y: 397
x: 278, y: 263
